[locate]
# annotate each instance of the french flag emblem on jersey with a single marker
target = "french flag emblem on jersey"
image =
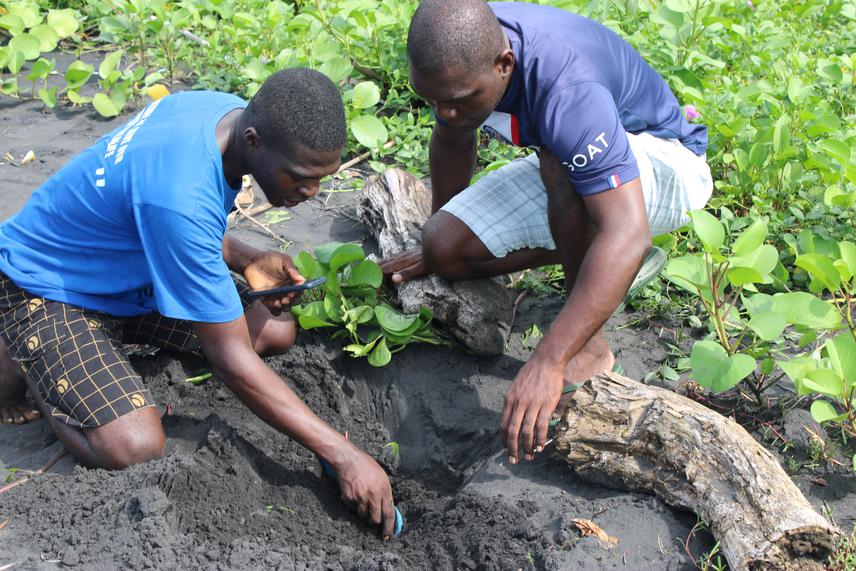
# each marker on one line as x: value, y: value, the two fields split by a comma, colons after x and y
x: 502, y: 126
x: 614, y: 181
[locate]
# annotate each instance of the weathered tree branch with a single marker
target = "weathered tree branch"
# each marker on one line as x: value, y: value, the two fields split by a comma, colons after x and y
x: 627, y: 435
x: 394, y: 207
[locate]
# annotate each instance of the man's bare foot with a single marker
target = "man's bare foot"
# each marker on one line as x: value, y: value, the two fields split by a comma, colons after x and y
x: 14, y: 407
x: 595, y: 358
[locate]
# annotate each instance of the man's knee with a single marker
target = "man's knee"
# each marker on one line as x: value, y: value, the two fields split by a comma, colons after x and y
x: 130, y: 439
x: 270, y: 334
x: 448, y: 246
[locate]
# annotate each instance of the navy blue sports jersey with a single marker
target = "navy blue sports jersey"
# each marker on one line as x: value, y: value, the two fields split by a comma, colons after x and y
x: 576, y: 89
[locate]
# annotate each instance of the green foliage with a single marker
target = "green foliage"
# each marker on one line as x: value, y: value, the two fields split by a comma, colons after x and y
x: 752, y: 330
x: 844, y: 557
x: 350, y: 303
x: 35, y: 33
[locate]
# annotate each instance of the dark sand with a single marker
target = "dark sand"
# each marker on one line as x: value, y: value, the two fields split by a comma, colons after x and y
x: 232, y: 493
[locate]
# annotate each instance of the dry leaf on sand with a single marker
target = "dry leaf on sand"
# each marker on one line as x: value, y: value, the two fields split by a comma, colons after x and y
x: 588, y: 527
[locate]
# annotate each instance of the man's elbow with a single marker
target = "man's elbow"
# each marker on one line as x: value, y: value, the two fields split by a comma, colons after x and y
x: 229, y: 361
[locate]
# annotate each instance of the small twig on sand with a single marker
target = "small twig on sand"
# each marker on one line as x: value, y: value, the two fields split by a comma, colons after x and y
x: 38, y: 472
x: 514, y: 307
x: 267, y: 230
x: 8, y: 566
x: 362, y: 157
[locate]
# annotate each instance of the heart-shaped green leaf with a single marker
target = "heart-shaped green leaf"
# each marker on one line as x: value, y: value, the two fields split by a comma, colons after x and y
x: 104, y: 105
x: 64, y: 22
x: 345, y: 254
x: 768, y: 325
x: 78, y: 73
x: 336, y: 68
x: 361, y: 314
x: 27, y: 44
x: 688, y: 272
x: 820, y: 268
x: 751, y: 238
x: 848, y: 256
x: 708, y: 229
x: 366, y: 94
x: 714, y: 369
x: 367, y: 273
x: 822, y: 411
x: 109, y: 63
x: 325, y: 252
x: 392, y: 320
x: 15, y: 24
x: 761, y: 259
x: 744, y: 276
x: 305, y: 264
x: 47, y: 36
x: 802, y: 308
x: 369, y: 131
x: 841, y: 351
x: 824, y: 381
x: 40, y: 69
x: 380, y: 356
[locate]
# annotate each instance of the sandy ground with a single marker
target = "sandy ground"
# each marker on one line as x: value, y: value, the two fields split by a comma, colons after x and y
x: 231, y: 493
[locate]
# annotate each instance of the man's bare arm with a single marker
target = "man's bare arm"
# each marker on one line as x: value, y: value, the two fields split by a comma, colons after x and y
x: 616, y: 252
x: 452, y: 156
x: 364, y: 484
x: 238, y: 255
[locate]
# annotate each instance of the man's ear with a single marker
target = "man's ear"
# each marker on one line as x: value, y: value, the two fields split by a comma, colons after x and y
x: 504, y: 62
x: 252, y: 138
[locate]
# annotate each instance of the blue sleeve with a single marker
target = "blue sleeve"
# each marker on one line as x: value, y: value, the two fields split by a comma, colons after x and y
x: 581, y: 126
x: 185, y: 257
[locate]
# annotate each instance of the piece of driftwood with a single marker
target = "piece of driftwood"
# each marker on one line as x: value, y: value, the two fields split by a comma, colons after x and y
x: 394, y: 207
x: 624, y: 434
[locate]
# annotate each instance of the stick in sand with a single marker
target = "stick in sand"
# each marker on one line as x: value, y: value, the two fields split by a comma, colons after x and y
x: 38, y: 472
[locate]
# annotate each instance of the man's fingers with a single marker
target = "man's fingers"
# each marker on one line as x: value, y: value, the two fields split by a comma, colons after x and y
x: 376, y: 512
x: 363, y: 509
x: 542, y: 426
x: 412, y: 271
x: 512, y: 433
x: 295, y: 275
x: 527, y: 433
x: 388, y: 518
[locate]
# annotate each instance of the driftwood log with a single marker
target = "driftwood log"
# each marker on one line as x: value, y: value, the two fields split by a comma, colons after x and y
x: 394, y: 207
x: 624, y: 434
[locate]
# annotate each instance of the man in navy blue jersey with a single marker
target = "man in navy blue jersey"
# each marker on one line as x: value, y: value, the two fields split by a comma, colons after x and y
x: 615, y: 163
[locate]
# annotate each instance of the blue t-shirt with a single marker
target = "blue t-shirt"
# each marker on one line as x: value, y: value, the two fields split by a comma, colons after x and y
x: 135, y: 223
x: 576, y: 89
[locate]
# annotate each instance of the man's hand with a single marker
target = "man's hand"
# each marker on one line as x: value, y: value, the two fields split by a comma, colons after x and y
x: 404, y: 267
x: 365, y: 487
x: 529, y: 405
x: 270, y: 270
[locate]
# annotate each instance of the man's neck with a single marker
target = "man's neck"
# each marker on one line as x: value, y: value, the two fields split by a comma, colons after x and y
x: 229, y: 142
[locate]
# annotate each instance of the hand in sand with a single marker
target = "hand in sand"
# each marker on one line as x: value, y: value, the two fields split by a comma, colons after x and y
x: 365, y: 487
x: 529, y: 405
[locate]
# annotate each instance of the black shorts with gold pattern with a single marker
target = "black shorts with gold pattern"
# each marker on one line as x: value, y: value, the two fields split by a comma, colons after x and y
x: 74, y: 355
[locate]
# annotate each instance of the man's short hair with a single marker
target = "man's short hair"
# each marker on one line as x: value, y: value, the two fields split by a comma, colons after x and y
x: 298, y: 106
x: 453, y: 33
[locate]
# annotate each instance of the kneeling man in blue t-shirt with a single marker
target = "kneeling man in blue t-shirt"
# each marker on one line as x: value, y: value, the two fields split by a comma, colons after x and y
x: 127, y: 243
x: 615, y: 163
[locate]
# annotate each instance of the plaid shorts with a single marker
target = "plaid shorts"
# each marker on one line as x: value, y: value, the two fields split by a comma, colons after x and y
x: 507, y: 208
x: 74, y: 355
